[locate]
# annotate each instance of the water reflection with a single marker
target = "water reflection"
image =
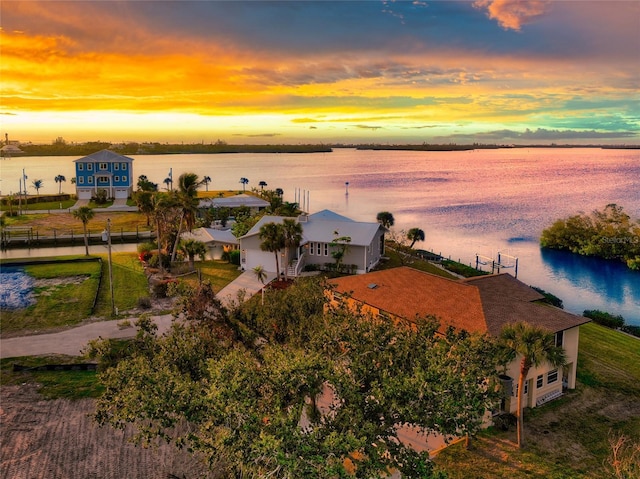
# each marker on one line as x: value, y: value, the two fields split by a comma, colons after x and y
x: 596, y: 278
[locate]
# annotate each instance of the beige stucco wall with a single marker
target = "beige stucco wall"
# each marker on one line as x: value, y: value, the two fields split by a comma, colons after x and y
x: 566, y: 373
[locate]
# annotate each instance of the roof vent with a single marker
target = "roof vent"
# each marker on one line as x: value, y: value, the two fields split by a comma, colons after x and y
x: 372, y: 286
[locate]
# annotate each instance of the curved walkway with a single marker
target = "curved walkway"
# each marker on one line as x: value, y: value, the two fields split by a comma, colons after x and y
x: 73, y: 341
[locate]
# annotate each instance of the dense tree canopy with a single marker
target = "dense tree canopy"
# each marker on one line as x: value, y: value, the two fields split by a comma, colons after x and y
x: 242, y: 387
x: 608, y: 234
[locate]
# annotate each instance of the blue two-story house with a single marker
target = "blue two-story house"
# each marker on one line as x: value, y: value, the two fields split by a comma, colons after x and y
x: 104, y: 170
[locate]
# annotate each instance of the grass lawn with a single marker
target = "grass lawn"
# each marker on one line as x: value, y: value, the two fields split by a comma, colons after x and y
x: 64, y: 223
x: 55, y: 384
x: 395, y: 260
x: 46, y: 205
x: 65, y: 291
x: 218, y: 273
x: 567, y: 438
x: 64, y: 295
x: 129, y: 284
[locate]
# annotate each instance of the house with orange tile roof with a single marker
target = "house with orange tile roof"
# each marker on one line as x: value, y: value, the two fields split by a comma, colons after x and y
x: 484, y: 304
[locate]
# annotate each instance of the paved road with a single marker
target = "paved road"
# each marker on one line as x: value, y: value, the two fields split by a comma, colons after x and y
x: 73, y: 341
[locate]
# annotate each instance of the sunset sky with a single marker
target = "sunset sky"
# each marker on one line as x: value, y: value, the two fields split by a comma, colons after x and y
x: 488, y: 71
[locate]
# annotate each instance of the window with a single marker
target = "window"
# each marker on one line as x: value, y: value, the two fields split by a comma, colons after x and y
x: 311, y: 250
x: 116, y: 179
x: 80, y: 166
x: 116, y: 166
x: 326, y: 249
x: 90, y: 180
x: 552, y: 376
x: 103, y: 179
x: 539, y: 381
x: 89, y: 166
x: 525, y: 389
x: 103, y: 166
x: 124, y: 166
x: 318, y: 250
x: 559, y: 338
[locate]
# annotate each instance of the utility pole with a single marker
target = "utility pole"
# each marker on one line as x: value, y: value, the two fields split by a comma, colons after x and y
x: 106, y: 236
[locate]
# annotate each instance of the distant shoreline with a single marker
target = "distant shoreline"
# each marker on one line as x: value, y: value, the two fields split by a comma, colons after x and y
x: 84, y: 149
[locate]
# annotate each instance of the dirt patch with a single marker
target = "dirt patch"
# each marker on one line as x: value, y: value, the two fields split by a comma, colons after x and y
x: 46, y: 286
x: 59, y: 440
x: 585, y: 416
x: 61, y: 281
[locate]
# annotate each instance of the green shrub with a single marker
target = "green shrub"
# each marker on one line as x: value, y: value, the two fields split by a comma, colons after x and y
x: 146, y: 247
x: 234, y: 257
x: 462, y: 269
x: 631, y: 329
x: 604, y: 319
x: 100, y: 198
x: 550, y: 298
x: 154, y: 261
x: 144, y: 302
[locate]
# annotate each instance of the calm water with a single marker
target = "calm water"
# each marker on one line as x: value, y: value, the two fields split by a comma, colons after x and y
x: 476, y: 202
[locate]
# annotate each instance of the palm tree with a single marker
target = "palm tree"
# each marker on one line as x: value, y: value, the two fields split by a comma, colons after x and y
x: 272, y: 236
x: 162, y: 204
x: 84, y: 214
x: 261, y: 274
x: 385, y: 219
x: 186, y: 198
x: 144, y: 201
x: 288, y: 209
x: 144, y: 184
x: 206, y: 180
x: 292, y: 231
x: 536, y: 346
x: 415, y: 234
x: 244, y: 181
x: 279, y: 192
x: 37, y: 184
x: 192, y: 248
x: 262, y: 184
x: 59, y: 179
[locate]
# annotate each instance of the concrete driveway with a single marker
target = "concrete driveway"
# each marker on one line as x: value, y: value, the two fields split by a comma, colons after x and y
x: 247, y: 281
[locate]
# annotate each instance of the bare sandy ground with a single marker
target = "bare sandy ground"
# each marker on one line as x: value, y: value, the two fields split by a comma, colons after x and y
x: 59, y: 440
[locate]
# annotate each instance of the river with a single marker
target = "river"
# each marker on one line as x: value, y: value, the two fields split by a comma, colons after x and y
x: 481, y: 202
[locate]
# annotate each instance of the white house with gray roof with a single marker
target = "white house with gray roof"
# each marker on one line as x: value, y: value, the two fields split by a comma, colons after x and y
x: 216, y: 240
x: 254, y: 203
x: 364, y: 249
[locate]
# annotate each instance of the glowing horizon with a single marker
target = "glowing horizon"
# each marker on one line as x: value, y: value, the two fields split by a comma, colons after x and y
x: 489, y: 71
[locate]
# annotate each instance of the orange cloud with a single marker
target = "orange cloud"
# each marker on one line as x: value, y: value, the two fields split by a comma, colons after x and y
x: 512, y: 14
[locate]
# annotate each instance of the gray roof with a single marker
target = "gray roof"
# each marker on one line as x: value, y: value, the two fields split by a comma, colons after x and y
x: 325, y: 226
x: 208, y: 235
x: 263, y: 221
x: 105, y: 156
x: 234, y: 202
